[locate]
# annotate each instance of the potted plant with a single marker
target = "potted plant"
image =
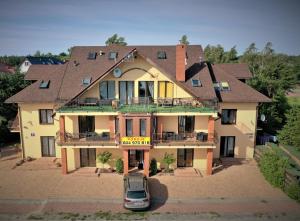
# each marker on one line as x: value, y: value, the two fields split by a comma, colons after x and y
x: 103, y: 158
x: 168, y: 160
x: 153, y: 166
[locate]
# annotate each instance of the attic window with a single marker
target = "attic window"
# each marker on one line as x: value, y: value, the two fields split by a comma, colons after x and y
x: 86, y: 81
x: 44, y: 84
x: 92, y: 55
x: 196, y: 83
x: 224, y: 86
x: 161, y: 55
x: 112, y: 55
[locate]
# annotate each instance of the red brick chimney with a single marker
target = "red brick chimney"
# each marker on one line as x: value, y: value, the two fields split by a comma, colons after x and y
x: 180, y: 62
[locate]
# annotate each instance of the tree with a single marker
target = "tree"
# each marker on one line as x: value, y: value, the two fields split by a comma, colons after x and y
x: 119, y: 165
x: 104, y: 158
x: 10, y: 84
x: 37, y: 54
x: 168, y: 160
x: 184, y: 40
x: 290, y: 133
x: 115, y: 40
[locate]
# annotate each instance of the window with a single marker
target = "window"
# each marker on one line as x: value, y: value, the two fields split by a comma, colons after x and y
x: 228, y: 116
x: 48, y: 146
x: 46, y: 116
x: 161, y: 55
x: 44, y: 84
x: 146, y: 90
x: 26, y: 63
x: 86, y: 81
x: 225, y: 86
x: 227, y: 146
x: 143, y: 123
x: 165, y: 89
x: 126, y: 91
x: 129, y: 131
x: 196, y: 83
x: 112, y: 55
x: 92, y: 55
x: 107, y: 90
x: 186, y: 124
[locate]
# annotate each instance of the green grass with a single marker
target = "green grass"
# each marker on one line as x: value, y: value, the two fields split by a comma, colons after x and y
x: 137, y: 109
x: 293, y: 100
x: 292, y: 150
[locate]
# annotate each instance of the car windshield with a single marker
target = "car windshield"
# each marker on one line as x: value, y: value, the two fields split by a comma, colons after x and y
x: 136, y: 194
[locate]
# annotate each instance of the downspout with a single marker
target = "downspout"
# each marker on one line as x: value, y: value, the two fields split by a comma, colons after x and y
x: 21, y: 132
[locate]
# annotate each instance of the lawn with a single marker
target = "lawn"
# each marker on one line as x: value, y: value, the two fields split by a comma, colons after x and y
x: 294, y: 100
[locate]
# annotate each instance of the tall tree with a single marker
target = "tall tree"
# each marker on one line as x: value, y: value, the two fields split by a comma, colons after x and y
x: 184, y: 40
x: 115, y: 39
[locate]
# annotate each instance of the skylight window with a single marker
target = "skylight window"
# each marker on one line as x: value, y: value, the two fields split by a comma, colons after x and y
x: 112, y: 55
x: 225, y: 86
x: 161, y: 55
x: 86, y: 81
x: 92, y: 55
x: 44, y: 84
x: 196, y: 83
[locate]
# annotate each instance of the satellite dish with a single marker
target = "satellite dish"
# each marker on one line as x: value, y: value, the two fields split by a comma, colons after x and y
x: 262, y: 117
x: 117, y: 72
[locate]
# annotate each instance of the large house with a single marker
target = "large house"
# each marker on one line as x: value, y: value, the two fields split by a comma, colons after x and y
x: 33, y: 60
x: 138, y: 103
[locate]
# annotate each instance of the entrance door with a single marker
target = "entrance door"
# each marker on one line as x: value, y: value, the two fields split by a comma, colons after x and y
x: 88, y: 157
x: 135, y: 158
x: 185, y: 157
x: 227, y: 146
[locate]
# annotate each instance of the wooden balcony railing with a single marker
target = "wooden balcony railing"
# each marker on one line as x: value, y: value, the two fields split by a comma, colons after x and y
x: 90, y: 138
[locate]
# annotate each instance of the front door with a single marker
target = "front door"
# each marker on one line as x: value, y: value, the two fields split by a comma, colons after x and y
x: 185, y: 157
x: 88, y: 157
x: 135, y: 158
x: 227, y: 146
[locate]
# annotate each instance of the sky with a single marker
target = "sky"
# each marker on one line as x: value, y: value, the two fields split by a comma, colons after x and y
x: 56, y: 25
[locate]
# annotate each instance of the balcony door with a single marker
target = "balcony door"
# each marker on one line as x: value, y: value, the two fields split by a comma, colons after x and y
x: 185, y: 157
x: 186, y: 124
x: 126, y: 91
x: 227, y: 146
x: 146, y: 91
x: 86, y: 124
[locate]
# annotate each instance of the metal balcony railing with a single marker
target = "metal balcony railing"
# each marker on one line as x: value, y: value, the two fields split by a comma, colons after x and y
x: 182, y: 138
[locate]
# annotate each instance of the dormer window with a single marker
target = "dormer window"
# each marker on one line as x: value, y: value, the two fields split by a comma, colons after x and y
x: 196, y: 83
x: 44, y: 84
x: 225, y: 86
x: 112, y: 55
x: 161, y: 55
x: 86, y: 81
x: 92, y: 55
x: 26, y: 63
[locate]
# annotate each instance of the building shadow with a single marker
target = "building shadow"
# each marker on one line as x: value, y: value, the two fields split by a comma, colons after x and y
x: 224, y: 163
x: 159, y: 193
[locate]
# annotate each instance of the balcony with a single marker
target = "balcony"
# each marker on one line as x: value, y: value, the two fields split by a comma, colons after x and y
x: 182, y: 139
x: 141, y: 105
x: 89, y: 139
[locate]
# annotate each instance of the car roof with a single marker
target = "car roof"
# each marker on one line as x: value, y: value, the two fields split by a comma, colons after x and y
x: 135, y: 182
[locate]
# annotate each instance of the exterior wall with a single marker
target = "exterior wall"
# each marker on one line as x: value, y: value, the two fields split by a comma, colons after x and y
x: 73, y: 158
x: 116, y: 154
x: 201, y: 123
x: 137, y: 75
x: 244, y: 130
x: 158, y: 154
x: 200, y: 161
x: 169, y: 124
x: 24, y: 68
x: 33, y: 130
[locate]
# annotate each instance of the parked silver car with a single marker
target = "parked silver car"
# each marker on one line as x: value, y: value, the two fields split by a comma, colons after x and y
x: 136, y: 192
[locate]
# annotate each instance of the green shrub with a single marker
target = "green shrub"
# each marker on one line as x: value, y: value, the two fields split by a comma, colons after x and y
x: 153, y: 166
x: 293, y: 191
x: 104, y: 157
x: 168, y: 160
x: 273, y: 166
x: 119, y: 165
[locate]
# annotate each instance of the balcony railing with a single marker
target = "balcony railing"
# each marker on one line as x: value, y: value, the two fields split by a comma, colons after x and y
x: 90, y: 138
x: 141, y: 104
x: 171, y: 138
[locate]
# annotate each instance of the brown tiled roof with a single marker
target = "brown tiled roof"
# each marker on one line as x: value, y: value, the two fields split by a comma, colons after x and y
x: 238, y: 70
x: 66, y: 80
x: 7, y: 68
x: 33, y: 94
x: 239, y: 91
